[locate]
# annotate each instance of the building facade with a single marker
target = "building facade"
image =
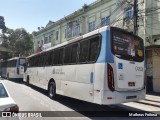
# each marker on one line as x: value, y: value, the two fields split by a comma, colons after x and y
x: 152, y: 39
x: 88, y: 18
x: 117, y: 13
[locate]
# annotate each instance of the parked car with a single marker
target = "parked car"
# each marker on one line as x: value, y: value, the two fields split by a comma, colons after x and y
x: 7, y: 104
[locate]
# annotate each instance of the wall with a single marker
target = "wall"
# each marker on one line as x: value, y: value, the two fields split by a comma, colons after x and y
x: 156, y: 69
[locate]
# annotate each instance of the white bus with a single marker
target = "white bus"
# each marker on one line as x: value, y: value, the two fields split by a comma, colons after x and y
x: 13, y: 68
x: 105, y: 67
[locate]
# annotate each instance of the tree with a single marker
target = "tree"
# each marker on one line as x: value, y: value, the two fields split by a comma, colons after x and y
x: 2, y: 24
x: 18, y: 42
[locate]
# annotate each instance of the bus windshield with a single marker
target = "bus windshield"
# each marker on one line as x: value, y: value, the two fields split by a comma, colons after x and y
x: 22, y: 61
x: 127, y: 46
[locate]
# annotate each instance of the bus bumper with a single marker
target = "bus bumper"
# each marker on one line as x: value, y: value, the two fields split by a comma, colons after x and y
x: 117, y: 97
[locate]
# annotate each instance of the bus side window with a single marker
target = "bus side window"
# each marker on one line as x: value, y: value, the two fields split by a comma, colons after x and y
x: 15, y: 63
x: 84, y: 49
x: 46, y: 59
x: 74, y: 53
x: 33, y: 63
x: 61, y: 54
x: 67, y: 55
x: 52, y: 58
x: 56, y: 57
x: 94, y: 48
x: 49, y: 58
x: 42, y: 60
x: 38, y: 61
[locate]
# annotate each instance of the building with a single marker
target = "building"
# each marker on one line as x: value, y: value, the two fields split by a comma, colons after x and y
x: 152, y: 39
x: 117, y: 13
x: 88, y: 18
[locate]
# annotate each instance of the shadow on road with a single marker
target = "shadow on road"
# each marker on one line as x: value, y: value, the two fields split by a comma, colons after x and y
x: 89, y: 109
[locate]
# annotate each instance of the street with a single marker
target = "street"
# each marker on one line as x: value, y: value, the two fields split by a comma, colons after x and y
x: 30, y: 98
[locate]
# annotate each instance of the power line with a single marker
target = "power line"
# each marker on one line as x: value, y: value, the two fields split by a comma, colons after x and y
x: 135, y: 17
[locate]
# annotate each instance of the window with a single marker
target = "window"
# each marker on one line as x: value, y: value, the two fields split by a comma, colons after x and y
x: 38, y: 61
x: 94, y: 48
x: 67, y: 57
x: 105, y: 21
x: 22, y: 61
x: 52, y: 58
x: 69, y: 29
x: 129, y: 12
x: 91, y: 26
x: 84, y: 49
x: 45, y: 38
x: 46, y: 59
x: 58, y: 56
x: 50, y: 39
x: 69, y: 32
x: 71, y: 54
x: 50, y: 36
x: 11, y: 63
x: 57, y: 34
x: 38, y: 42
x: 42, y: 42
x: 61, y: 52
x: 32, y: 62
x: 65, y: 34
x: 127, y: 46
x: 76, y: 30
x: 74, y: 53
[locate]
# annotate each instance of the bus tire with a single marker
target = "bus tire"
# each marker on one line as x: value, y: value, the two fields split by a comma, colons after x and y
x: 7, y: 76
x: 52, y: 90
x: 27, y: 80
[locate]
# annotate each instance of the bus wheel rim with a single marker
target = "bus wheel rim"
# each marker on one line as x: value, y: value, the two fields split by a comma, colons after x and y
x: 51, y: 91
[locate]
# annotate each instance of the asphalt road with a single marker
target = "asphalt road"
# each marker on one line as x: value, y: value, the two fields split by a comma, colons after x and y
x: 30, y: 98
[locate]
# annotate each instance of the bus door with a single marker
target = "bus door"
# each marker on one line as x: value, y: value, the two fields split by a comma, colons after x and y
x: 128, y: 68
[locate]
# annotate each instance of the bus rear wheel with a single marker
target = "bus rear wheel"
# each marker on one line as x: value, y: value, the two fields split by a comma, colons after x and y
x: 7, y: 76
x: 52, y: 90
x: 27, y: 80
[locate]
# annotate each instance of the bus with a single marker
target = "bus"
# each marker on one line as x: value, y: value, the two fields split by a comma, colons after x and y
x: 105, y: 67
x: 13, y: 68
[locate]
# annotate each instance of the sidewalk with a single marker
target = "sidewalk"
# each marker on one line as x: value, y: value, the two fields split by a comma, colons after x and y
x: 152, y: 99
x: 150, y: 104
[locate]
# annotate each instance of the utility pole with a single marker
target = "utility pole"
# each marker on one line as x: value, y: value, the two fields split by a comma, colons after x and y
x: 135, y: 16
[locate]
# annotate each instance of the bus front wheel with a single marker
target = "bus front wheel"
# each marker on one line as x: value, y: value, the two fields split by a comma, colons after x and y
x: 52, y: 90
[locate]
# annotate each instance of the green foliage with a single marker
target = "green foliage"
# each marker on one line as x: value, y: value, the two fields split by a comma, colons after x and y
x: 18, y: 42
x: 2, y: 24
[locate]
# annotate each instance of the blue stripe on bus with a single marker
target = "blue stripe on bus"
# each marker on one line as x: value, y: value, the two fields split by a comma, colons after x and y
x: 105, y: 54
x: 91, y: 77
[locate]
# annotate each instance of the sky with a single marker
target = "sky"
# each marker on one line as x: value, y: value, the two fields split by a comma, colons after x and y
x: 30, y: 14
